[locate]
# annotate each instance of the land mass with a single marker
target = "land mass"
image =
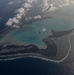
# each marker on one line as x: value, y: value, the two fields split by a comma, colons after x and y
x: 51, y: 49
x: 10, y: 51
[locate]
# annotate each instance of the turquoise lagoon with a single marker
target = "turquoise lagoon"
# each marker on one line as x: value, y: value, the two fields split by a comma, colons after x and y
x: 33, y: 33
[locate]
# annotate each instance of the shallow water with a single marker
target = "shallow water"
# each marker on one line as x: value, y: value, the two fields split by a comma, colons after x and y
x: 33, y: 34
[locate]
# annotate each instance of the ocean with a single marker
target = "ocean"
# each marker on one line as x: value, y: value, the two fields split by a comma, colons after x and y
x: 32, y: 66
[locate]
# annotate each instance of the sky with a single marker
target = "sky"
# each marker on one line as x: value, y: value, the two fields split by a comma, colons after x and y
x: 28, y: 5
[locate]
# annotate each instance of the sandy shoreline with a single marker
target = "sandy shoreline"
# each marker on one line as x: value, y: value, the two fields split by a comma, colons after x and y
x: 18, y: 56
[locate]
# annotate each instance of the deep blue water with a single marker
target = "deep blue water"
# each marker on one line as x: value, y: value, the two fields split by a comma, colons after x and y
x: 30, y: 66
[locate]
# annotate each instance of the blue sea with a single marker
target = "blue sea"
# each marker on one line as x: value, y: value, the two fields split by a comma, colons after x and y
x: 31, y: 66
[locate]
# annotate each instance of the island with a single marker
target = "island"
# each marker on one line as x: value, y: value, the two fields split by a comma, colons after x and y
x: 11, y: 50
x: 14, y: 51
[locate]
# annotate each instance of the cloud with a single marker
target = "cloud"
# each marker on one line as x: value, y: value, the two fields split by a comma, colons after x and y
x: 45, y: 7
x: 21, y: 11
x: 46, y: 4
x: 66, y: 3
x: 37, y: 17
x: 16, y: 20
x: 72, y: 2
x: 16, y: 26
x: 44, y: 29
x: 48, y: 7
x: 12, y: 21
x: 18, y: 16
x: 9, y: 22
x: 52, y: 7
x: 31, y: 1
x: 10, y: 3
x: 28, y: 18
x: 27, y: 5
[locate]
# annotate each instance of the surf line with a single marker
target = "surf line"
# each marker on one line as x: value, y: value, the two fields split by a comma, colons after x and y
x: 61, y: 60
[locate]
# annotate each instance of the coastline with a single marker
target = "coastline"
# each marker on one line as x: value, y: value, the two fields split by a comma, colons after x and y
x: 36, y: 55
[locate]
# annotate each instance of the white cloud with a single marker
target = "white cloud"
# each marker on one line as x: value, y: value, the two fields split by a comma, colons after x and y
x: 9, y: 22
x: 21, y: 10
x: 27, y: 5
x: 45, y: 5
x: 52, y: 7
x: 48, y: 7
x: 72, y: 2
x: 28, y: 18
x: 44, y: 29
x: 19, y: 16
x: 37, y: 17
x: 31, y: 1
x: 12, y: 21
x: 66, y: 3
x: 16, y: 26
x: 15, y: 21
x: 10, y: 3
